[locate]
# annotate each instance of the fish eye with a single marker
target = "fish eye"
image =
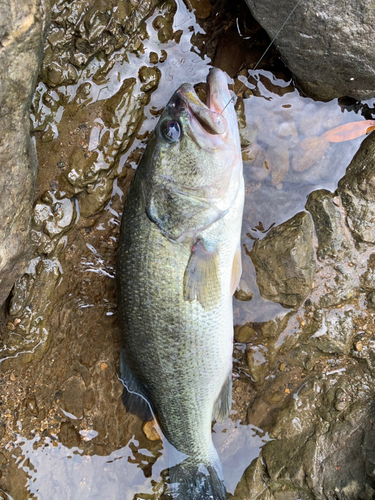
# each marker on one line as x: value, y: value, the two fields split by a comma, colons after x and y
x: 171, y: 130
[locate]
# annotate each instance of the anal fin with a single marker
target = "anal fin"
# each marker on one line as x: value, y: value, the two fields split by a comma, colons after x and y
x: 201, y: 276
x: 223, y: 403
x: 134, y: 395
x: 236, y: 270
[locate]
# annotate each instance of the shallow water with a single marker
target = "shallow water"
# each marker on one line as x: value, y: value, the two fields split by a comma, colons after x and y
x: 62, y: 417
x: 56, y: 471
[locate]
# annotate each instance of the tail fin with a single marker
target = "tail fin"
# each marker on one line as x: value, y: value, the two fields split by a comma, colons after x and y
x: 196, y: 482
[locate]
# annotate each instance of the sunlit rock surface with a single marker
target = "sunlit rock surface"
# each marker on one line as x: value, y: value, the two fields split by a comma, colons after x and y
x: 326, y: 45
x: 22, y: 28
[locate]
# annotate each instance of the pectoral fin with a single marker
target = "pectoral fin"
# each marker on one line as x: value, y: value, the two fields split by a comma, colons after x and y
x: 134, y: 396
x: 236, y: 270
x: 201, y: 276
x: 178, y: 214
x: 223, y: 403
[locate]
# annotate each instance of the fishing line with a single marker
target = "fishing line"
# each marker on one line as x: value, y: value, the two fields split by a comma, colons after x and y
x: 265, y: 52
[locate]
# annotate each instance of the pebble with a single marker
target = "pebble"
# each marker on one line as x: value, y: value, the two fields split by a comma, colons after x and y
x: 150, y: 431
x: 154, y: 58
x: 341, y: 400
x: 358, y: 346
x: 202, y: 8
x: 282, y: 367
x: 243, y: 295
x: 245, y: 334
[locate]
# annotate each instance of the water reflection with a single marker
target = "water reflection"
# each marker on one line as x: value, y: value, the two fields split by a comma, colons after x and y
x: 55, y: 471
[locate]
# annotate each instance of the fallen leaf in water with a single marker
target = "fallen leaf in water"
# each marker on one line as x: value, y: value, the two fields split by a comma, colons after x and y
x: 349, y: 131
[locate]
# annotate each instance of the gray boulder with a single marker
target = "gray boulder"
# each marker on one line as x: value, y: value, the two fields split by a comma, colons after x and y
x: 326, y: 45
x: 22, y: 27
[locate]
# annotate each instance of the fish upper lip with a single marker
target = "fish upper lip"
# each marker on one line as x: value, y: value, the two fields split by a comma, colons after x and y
x: 211, y: 121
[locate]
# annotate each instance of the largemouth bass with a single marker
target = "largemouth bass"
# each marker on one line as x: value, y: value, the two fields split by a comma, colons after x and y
x: 178, y: 265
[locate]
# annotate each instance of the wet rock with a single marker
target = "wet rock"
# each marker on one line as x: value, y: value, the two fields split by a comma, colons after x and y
x: 201, y: 8
x: 368, y: 278
x: 89, y: 399
x: 163, y: 22
x: 329, y: 223
x: 335, y: 33
x: 320, y: 443
x: 96, y: 196
x: 253, y: 483
x: 54, y: 216
x: 22, y: 27
x: 336, y: 332
x: 32, y: 303
x: 32, y: 406
x: 82, y: 30
x: 357, y: 191
x: 279, y: 160
x: 243, y: 293
x: 340, y: 289
x: 257, y: 162
x: 248, y: 131
x: 90, y: 175
x: 244, y: 334
x: 20, y: 292
x: 72, y: 397
x: 256, y: 358
x: 284, y: 261
x: 308, y: 152
x: 69, y: 436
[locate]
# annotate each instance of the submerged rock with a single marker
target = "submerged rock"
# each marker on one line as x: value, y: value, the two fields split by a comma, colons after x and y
x: 284, y: 261
x: 22, y: 27
x: 327, y: 46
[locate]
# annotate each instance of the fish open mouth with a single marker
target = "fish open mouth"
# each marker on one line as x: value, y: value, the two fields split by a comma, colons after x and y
x: 210, y: 117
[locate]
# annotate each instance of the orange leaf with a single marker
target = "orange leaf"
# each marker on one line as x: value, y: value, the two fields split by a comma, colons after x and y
x: 350, y: 131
